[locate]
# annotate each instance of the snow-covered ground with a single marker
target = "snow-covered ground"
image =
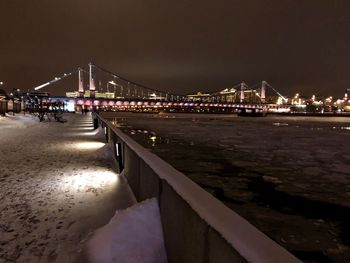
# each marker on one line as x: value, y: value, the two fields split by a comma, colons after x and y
x: 288, y: 176
x: 133, y: 235
x: 57, y: 185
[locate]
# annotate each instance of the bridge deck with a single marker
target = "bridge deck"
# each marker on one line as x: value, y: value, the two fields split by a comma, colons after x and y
x: 57, y: 185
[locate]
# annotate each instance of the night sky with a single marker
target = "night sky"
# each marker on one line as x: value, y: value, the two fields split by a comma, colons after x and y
x: 180, y: 46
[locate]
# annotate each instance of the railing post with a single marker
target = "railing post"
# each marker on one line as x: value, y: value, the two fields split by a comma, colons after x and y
x: 95, y: 123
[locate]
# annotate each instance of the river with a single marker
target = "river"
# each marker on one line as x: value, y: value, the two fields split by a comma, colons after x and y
x: 288, y: 176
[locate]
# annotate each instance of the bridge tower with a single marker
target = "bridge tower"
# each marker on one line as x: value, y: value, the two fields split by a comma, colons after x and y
x: 263, y: 90
x: 81, y: 83
x: 92, y: 87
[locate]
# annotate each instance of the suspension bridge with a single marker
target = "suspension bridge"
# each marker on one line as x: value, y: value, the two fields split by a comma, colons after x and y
x: 101, y: 88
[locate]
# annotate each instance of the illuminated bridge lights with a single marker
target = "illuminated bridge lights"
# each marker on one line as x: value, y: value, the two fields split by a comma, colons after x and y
x: 133, y: 104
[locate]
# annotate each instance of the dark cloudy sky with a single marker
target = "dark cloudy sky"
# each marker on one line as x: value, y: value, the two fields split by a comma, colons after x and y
x: 180, y: 46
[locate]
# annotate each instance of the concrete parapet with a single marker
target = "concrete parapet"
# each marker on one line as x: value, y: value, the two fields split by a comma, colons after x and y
x: 183, y: 229
x: 150, y: 184
x: 219, y: 250
x: 132, y: 170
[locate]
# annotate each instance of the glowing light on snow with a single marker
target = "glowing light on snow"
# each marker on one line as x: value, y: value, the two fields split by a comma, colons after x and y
x: 84, y: 128
x: 91, y: 179
x: 92, y: 133
x: 89, y: 145
x: 76, y: 132
x: 84, y: 125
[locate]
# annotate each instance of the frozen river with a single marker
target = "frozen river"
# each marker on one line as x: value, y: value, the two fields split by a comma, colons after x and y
x: 288, y: 176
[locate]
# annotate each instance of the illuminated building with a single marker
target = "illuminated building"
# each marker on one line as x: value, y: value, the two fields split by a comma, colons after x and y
x: 74, y: 94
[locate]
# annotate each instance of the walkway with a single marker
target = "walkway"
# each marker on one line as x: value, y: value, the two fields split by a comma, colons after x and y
x: 57, y: 184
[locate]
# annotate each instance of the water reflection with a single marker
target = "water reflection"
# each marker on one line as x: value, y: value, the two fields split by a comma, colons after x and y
x: 341, y: 128
x: 145, y: 137
x: 279, y: 124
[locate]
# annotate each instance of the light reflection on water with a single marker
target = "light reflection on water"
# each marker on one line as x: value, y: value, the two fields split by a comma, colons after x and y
x: 341, y: 128
x: 150, y: 138
x: 280, y: 124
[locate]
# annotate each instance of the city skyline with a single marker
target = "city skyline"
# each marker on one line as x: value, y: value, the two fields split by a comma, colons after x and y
x: 180, y: 47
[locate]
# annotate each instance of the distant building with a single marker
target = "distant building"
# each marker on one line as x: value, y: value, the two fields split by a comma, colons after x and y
x: 87, y: 94
x: 110, y: 95
x: 105, y: 95
x: 100, y: 95
x: 74, y: 94
x: 154, y: 96
x: 198, y: 96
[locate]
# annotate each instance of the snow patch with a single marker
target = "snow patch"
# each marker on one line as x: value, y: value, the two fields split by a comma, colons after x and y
x: 133, y: 235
